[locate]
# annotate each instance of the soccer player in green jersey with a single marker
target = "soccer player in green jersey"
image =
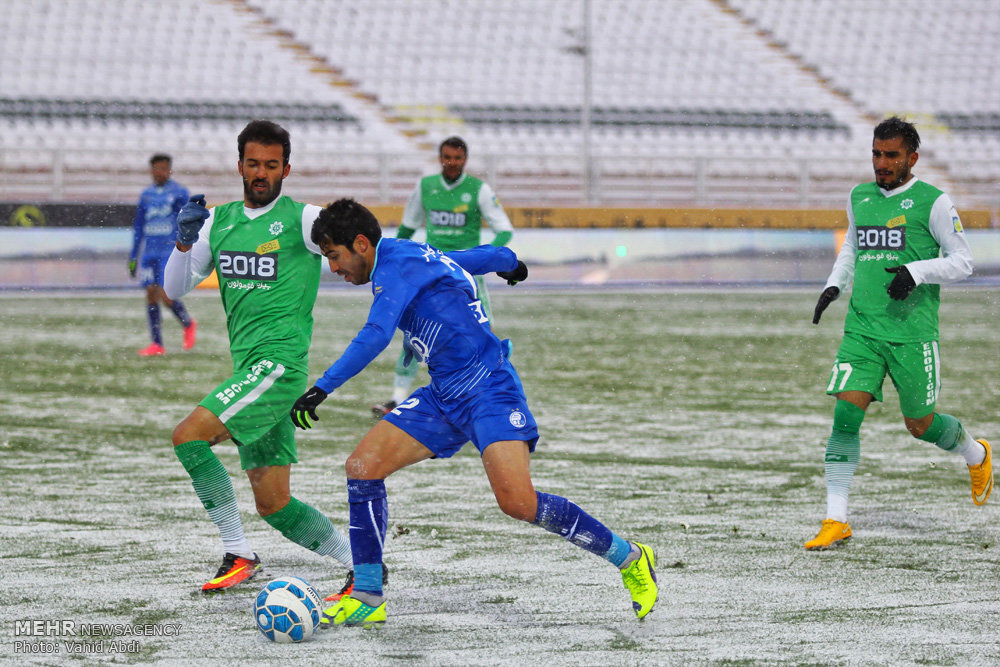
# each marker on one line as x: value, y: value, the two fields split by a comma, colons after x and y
x: 268, y: 270
x: 452, y: 206
x: 904, y: 240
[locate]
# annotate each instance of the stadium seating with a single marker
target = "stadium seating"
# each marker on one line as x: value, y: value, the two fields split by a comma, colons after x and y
x: 693, y: 102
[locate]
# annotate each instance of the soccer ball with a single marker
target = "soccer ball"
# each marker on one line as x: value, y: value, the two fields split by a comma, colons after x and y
x: 287, y: 610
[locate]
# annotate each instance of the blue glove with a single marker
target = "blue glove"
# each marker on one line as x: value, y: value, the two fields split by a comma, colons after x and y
x: 190, y: 219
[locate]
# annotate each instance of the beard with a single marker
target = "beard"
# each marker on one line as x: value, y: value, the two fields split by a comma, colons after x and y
x: 261, y: 198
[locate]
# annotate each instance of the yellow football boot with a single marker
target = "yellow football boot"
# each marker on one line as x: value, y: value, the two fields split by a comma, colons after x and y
x: 640, y: 580
x: 982, y: 476
x: 351, y: 611
x: 831, y: 533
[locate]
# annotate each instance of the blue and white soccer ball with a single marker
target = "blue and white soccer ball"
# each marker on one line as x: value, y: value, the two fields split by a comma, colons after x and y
x: 287, y: 610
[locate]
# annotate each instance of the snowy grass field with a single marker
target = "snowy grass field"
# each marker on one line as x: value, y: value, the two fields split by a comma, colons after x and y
x: 694, y: 421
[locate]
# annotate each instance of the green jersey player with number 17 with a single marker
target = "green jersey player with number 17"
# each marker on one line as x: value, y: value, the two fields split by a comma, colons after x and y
x: 268, y: 270
x: 904, y: 240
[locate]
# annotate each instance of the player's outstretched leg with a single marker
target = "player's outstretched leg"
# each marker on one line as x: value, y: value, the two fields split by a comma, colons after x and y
x: 635, y: 561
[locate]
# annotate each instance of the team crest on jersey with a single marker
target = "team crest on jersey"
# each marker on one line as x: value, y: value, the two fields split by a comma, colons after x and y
x: 276, y: 228
x: 906, y: 204
x: 466, y: 197
x: 270, y: 246
x: 517, y: 419
x: 896, y: 222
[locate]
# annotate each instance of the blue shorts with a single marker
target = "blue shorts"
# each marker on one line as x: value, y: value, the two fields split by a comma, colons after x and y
x: 151, y: 269
x: 495, y: 410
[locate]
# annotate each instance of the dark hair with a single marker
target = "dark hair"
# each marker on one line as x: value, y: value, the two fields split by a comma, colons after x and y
x: 267, y: 133
x: 160, y: 157
x: 893, y: 127
x: 454, y: 142
x: 341, y: 222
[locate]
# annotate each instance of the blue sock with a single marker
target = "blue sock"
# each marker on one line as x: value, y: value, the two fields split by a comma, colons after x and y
x: 181, y: 312
x: 369, y: 512
x: 562, y: 517
x: 153, y: 315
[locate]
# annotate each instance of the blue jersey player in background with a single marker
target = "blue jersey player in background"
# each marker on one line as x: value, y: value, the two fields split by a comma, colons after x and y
x: 154, y: 232
x: 474, y: 394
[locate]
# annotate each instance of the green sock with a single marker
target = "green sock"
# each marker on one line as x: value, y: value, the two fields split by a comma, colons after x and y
x: 944, y: 432
x: 310, y: 528
x: 843, y: 451
x: 214, y: 487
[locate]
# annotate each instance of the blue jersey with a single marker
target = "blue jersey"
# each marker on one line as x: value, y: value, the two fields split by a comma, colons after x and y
x: 433, y: 299
x: 156, y: 219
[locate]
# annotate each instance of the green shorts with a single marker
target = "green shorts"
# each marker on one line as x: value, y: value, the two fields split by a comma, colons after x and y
x: 254, y: 405
x: 915, y: 369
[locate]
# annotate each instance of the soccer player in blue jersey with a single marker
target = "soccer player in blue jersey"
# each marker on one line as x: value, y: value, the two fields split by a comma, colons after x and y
x: 474, y: 394
x: 154, y: 231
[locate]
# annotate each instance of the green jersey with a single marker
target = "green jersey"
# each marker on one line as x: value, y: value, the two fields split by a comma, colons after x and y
x: 909, y: 225
x: 268, y: 270
x: 453, y: 213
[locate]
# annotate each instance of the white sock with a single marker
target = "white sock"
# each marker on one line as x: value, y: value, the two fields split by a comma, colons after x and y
x: 973, y: 452
x: 836, y: 507
x: 240, y: 547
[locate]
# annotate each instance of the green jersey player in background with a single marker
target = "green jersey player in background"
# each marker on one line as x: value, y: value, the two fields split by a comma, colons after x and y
x: 904, y: 240
x: 268, y: 270
x: 452, y: 206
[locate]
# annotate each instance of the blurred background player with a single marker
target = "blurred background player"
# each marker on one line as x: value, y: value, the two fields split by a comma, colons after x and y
x: 904, y: 240
x: 452, y: 206
x: 154, y: 232
x: 474, y: 394
x: 269, y: 271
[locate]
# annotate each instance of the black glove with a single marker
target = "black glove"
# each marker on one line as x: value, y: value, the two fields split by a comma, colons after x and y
x: 190, y: 219
x: 517, y: 275
x: 902, y: 283
x: 131, y: 267
x: 828, y: 296
x: 305, y: 407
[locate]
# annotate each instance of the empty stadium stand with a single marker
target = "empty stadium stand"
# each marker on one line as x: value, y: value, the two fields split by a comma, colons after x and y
x: 693, y: 102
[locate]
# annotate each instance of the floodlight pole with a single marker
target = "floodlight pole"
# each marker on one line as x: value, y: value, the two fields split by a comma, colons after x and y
x: 588, y: 169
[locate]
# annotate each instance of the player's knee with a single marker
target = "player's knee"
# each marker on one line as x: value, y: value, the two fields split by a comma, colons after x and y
x: 271, y: 504
x: 189, y: 430
x: 183, y: 433
x: 917, y: 427
x: 359, y: 466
